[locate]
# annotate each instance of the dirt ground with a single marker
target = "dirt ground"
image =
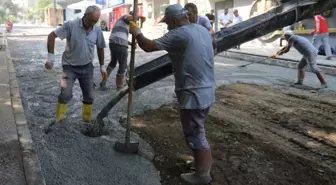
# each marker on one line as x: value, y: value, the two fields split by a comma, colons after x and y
x: 259, y: 135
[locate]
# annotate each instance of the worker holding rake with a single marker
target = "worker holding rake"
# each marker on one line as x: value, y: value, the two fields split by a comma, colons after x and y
x: 309, y: 52
x: 191, y: 51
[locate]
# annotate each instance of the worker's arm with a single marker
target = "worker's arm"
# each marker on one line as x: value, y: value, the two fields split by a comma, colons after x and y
x: 129, y: 18
x: 146, y: 44
x: 100, y: 42
x: 208, y: 26
x: 227, y: 24
x: 284, y: 50
x: 62, y: 33
x: 51, y: 42
x: 171, y: 41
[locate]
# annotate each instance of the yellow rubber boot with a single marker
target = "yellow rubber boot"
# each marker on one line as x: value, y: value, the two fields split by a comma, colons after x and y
x: 60, y: 111
x: 86, y: 112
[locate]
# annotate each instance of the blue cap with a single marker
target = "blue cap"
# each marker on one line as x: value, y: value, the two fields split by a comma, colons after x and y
x: 172, y: 11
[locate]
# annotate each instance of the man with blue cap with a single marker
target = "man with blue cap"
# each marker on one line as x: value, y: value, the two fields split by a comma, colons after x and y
x: 191, y: 51
x: 309, y: 52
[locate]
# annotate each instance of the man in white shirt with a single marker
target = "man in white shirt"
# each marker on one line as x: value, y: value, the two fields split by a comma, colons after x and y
x: 236, y: 20
x: 225, y: 19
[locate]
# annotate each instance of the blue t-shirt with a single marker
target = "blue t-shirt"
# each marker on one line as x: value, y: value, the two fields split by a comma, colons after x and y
x: 302, y: 45
x: 203, y: 21
x: 193, y: 65
x: 80, y: 46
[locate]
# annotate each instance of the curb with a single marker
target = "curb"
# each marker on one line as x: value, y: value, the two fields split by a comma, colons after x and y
x: 31, y: 164
x: 282, y: 62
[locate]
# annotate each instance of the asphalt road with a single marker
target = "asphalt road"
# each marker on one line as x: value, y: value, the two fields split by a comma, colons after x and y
x: 67, y: 156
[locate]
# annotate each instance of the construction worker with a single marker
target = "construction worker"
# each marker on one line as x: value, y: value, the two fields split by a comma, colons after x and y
x: 197, y: 19
x: 200, y: 20
x: 119, y: 49
x: 309, y: 52
x: 81, y: 37
x: 190, y: 48
x: 321, y: 35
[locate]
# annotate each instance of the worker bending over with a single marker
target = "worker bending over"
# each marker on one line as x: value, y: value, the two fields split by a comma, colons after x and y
x: 119, y: 49
x: 81, y: 37
x: 309, y: 52
x: 190, y: 48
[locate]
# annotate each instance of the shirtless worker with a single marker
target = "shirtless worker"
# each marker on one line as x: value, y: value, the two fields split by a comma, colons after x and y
x: 309, y: 52
x: 190, y: 48
x: 119, y: 49
x: 81, y: 37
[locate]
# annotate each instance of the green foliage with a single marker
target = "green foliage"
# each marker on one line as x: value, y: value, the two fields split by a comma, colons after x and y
x: 41, y: 5
x: 8, y: 10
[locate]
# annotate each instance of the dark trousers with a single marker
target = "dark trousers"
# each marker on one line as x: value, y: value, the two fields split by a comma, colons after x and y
x: 119, y: 55
x: 84, y: 74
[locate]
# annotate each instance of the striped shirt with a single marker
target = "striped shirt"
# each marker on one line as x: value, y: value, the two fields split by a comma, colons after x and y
x: 119, y: 34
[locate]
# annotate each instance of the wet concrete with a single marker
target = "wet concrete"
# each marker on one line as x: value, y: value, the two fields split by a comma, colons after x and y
x: 69, y: 157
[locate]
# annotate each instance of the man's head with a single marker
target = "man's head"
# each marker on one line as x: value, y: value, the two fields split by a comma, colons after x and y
x: 226, y: 11
x: 91, y: 16
x: 192, y: 12
x: 212, y: 11
x: 175, y: 16
x: 235, y: 13
x: 288, y: 34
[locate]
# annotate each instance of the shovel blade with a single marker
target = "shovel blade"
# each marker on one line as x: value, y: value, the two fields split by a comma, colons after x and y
x: 127, y: 148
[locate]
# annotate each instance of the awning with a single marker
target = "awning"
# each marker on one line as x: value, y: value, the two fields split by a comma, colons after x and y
x: 82, y: 5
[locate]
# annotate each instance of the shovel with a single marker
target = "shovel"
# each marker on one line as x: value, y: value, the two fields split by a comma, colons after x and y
x: 128, y: 146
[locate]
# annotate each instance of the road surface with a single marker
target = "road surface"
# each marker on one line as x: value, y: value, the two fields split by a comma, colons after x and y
x: 69, y: 157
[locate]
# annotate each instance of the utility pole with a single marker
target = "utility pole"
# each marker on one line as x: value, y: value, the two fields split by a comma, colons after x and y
x: 55, y: 14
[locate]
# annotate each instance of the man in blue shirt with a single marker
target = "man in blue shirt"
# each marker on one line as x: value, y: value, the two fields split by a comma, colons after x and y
x: 190, y: 48
x: 82, y: 35
x: 309, y: 52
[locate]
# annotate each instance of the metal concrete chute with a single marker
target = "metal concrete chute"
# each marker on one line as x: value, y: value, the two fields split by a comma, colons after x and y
x: 285, y: 14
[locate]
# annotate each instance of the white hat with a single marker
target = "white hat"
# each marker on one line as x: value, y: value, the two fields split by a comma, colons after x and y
x: 288, y: 33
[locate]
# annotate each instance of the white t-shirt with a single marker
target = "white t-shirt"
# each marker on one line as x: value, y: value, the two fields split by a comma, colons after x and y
x: 224, y: 19
x: 237, y: 20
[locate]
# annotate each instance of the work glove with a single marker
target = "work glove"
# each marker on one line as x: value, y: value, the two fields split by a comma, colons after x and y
x: 274, y: 55
x: 134, y: 29
x: 143, y: 19
x: 50, y: 62
x: 103, y: 72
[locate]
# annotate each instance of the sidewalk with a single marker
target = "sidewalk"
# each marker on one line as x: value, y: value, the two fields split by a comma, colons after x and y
x: 19, y: 164
x: 290, y: 59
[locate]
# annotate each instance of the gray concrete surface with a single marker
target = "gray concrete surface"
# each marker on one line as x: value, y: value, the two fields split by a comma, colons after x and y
x: 19, y: 162
x: 11, y: 166
x: 69, y: 157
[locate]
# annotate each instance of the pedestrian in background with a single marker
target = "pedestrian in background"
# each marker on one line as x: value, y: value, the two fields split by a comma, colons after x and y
x: 321, y: 34
x: 211, y: 17
x: 225, y: 20
x: 190, y: 48
x: 236, y: 20
x: 81, y: 37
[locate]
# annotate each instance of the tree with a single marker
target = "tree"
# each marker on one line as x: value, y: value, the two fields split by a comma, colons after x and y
x: 41, y: 5
x: 8, y: 10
